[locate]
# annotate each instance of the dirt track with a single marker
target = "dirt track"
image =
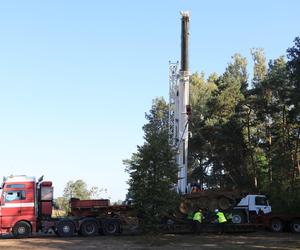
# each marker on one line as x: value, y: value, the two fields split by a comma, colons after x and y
x: 257, y: 240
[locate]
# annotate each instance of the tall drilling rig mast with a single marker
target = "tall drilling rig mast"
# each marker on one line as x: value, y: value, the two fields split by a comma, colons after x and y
x: 179, y: 105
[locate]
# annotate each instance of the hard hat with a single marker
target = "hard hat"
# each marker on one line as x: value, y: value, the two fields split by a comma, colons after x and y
x: 216, y: 210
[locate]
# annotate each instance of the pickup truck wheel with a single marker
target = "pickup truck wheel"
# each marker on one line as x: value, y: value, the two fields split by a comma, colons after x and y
x: 111, y: 228
x: 21, y: 229
x: 238, y: 218
x: 89, y: 228
x: 295, y: 226
x: 276, y: 225
x: 65, y: 229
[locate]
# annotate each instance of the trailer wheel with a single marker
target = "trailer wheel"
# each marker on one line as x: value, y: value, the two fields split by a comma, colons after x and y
x: 21, y: 229
x: 238, y: 218
x: 111, y: 227
x: 65, y: 229
x: 276, y: 225
x: 295, y: 226
x: 89, y: 228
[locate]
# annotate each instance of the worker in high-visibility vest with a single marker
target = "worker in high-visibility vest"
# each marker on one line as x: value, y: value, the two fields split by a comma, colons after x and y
x: 221, y: 221
x: 197, y: 219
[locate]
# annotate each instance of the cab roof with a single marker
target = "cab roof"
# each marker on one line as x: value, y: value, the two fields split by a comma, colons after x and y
x: 20, y: 178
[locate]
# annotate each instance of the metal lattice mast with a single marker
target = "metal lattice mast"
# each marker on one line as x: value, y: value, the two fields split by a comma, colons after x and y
x: 173, y: 90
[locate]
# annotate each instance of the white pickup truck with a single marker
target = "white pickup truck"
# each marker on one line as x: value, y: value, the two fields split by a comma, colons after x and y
x: 249, y: 207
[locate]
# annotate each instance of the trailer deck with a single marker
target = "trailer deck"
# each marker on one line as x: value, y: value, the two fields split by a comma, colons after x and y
x: 187, y: 227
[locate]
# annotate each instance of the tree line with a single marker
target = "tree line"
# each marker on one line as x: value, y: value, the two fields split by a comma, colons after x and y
x: 245, y: 135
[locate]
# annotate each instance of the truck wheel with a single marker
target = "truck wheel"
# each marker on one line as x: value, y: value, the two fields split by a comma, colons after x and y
x: 111, y: 227
x: 184, y: 207
x: 65, y: 229
x: 89, y: 228
x: 295, y: 226
x: 276, y: 225
x: 224, y: 203
x: 21, y: 229
x: 238, y: 218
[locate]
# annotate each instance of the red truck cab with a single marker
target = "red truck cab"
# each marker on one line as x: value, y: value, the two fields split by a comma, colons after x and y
x: 24, y: 202
x: 17, y: 209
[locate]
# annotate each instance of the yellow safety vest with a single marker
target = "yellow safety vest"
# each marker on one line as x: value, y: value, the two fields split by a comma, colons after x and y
x: 198, y: 217
x: 221, y: 217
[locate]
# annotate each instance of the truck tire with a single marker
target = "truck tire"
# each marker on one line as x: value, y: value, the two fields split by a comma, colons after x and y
x: 295, y: 226
x: 89, y: 228
x: 21, y: 229
x: 111, y: 227
x: 65, y: 229
x: 276, y: 225
x: 238, y: 218
x: 184, y: 207
x: 224, y: 203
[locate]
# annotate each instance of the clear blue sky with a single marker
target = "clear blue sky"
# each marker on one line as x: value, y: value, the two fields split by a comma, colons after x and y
x: 77, y: 76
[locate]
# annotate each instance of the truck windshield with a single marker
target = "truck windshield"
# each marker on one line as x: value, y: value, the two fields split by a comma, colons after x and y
x: 261, y: 201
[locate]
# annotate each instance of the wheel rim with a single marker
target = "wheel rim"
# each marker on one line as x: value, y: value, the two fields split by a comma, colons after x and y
x: 237, y: 219
x: 90, y: 228
x: 21, y: 230
x: 296, y: 227
x: 66, y: 229
x: 276, y: 226
x: 111, y: 228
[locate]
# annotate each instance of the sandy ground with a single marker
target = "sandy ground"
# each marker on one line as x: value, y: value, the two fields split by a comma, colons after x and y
x: 257, y: 240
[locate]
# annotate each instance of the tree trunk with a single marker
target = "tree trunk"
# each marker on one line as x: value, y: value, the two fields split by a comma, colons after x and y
x: 251, y: 149
x: 295, y: 160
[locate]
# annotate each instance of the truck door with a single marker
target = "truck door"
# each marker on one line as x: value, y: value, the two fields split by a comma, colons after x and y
x: 28, y: 208
x: 261, y: 204
x: 11, y: 207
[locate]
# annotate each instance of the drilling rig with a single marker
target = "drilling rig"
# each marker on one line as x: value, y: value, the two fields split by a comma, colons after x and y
x: 179, y: 117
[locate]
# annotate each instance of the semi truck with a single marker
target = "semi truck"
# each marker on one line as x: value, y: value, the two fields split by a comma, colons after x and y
x: 26, y: 208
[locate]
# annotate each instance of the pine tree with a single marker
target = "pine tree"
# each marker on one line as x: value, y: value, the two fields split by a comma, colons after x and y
x: 153, y: 170
x: 225, y: 125
x: 200, y: 94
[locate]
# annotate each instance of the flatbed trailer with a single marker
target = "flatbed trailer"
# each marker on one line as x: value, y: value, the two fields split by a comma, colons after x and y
x: 278, y: 222
x: 188, y: 227
x: 275, y: 222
